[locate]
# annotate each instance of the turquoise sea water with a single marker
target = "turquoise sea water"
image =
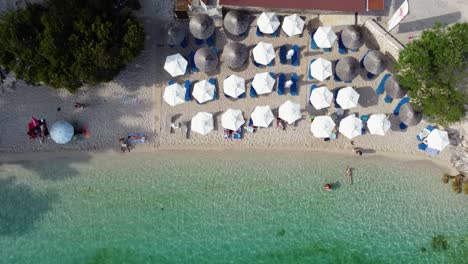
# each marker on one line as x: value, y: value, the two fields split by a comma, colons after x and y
x: 220, y: 207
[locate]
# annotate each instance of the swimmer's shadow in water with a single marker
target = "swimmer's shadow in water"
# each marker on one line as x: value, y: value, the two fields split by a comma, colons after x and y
x: 336, y: 184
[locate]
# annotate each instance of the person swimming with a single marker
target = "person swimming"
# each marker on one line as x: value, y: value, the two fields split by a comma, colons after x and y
x: 328, y: 187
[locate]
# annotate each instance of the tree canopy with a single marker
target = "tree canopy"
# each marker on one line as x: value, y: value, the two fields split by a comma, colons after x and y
x: 434, y: 69
x: 65, y: 44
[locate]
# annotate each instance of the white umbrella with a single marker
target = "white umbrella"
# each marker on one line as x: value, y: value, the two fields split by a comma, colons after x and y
x: 321, y: 69
x: 202, y: 123
x: 347, y: 98
x: 438, y: 139
x: 174, y: 94
x: 350, y: 126
x: 290, y: 112
x: 324, y: 37
x: 321, y: 97
x: 378, y: 124
x: 234, y: 86
x: 322, y: 126
x: 264, y: 53
x: 232, y: 119
x: 293, y: 25
x: 263, y: 83
x: 262, y: 116
x: 62, y: 132
x: 175, y: 65
x: 268, y: 23
x: 203, y: 91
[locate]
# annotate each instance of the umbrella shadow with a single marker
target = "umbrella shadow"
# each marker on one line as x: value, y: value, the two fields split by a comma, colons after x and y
x: 216, y: 118
x: 367, y: 96
x: 395, y: 123
x: 371, y: 42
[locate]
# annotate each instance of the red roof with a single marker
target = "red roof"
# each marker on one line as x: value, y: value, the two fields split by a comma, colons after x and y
x: 330, y: 5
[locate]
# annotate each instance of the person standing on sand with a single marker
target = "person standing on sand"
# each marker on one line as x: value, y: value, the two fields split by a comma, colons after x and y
x: 348, y: 175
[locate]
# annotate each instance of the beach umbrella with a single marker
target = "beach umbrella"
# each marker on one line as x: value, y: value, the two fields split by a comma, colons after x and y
x: 375, y: 62
x: 236, y: 22
x: 232, y: 119
x: 393, y: 89
x: 322, y: 126
x: 176, y: 33
x: 263, y: 83
x: 235, y: 54
x: 290, y: 112
x: 324, y: 37
x: 206, y: 59
x: 293, y: 25
x: 175, y: 65
x: 264, y: 53
x: 174, y: 94
x: 352, y: 37
x: 321, y: 97
x: 61, y: 132
x: 321, y: 69
x: 268, y: 23
x: 409, y: 116
x: 378, y: 124
x: 347, y: 69
x: 203, y: 91
x: 347, y: 98
x: 234, y: 86
x: 202, y: 123
x: 201, y: 26
x: 438, y: 139
x: 350, y: 126
x: 262, y: 116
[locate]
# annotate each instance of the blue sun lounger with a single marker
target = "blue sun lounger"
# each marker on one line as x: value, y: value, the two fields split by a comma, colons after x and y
x: 294, y: 86
x: 171, y: 82
x: 341, y: 46
x: 364, y: 119
x: 211, y: 41
x: 424, y: 133
x: 193, y: 67
x: 388, y: 99
x: 422, y: 146
x: 184, y: 42
x: 403, y: 126
x: 295, y: 57
x: 335, y: 95
x: 361, y: 63
x: 199, y: 42
x: 312, y: 87
x: 238, y: 135
x: 380, y: 88
x: 327, y: 49
x: 370, y: 75
x: 313, y: 45
x: 282, y: 54
x: 253, y: 93
x: 136, y: 138
x: 403, y: 101
x: 259, y: 33
x: 309, y: 73
x: 281, y: 83
x: 213, y: 82
x: 276, y: 33
x: 188, y: 93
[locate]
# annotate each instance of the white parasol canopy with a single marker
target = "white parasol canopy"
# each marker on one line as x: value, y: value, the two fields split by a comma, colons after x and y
x: 378, y: 124
x: 203, y: 91
x: 262, y: 116
x: 175, y: 65
x: 232, y: 119
x: 438, y: 139
x: 264, y: 53
x: 321, y: 97
x: 290, y: 112
x: 263, y: 83
x: 293, y: 25
x: 234, y: 86
x: 347, y: 98
x: 350, y: 126
x: 324, y: 37
x: 268, y: 23
x: 174, y: 94
x: 202, y: 123
x: 62, y: 132
x: 321, y: 69
x: 322, y: 126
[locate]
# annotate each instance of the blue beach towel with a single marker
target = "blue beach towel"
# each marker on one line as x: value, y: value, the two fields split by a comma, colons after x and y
x: 380, y: 88
x: 327, y: 49
x: 422, y: 146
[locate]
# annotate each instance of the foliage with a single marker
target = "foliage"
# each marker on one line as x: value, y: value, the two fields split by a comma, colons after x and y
x: 439, y: 243
x: 65, y: 44
x: 433, y: 68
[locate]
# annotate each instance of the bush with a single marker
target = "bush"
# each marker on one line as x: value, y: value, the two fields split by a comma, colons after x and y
x: 65, y: 44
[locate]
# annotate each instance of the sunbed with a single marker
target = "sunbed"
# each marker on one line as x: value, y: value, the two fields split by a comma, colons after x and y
x: 341, y: 46
x: 253, y: 93
x: 199, y: 42
x: 309, y: 73
x: 211, y: 41
x: 193, y: 67
x: 403, y: 101
x: 294, y: 86
x: 238, y: 135
x: 259, y: 33
x: 295, y: 57
x: 282, y: 54
x: 281, y: 83
x: 364, y: 119
x: 422, y: 146
x: 388, y: 99
x: 213, y: 82
x: 313, y: 45
x: 424, y: 133
x: 188, y: 92
x: 381, y: 87
x: 312, y: 87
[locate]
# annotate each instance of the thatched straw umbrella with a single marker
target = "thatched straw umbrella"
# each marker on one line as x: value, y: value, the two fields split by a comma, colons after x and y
x: 347, y: 69
x: 409, y: 116
x: 235, y: 54
x: 393, y: 88
x: 176, y: 33
x: 201, y: 26
x: 206, y: 59
x: 375, y: 62
x: 352, y: 37
x: 236, y: 22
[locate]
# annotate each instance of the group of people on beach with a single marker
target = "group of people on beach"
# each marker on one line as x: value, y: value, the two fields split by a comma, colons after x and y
x: 38, y: 129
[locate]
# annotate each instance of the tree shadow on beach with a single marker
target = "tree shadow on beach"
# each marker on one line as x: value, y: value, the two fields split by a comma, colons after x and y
x: 21, y: 207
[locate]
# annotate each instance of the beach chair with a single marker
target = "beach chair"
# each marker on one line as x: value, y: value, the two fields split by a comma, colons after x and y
x: 370, y: 75
x: 188, y: 92
x: 327, y: 49
x: 253, y: 93
x: 380, y: 88
x: 424, y: 133
x: 354, y: 50
x: 295, y: 57
x: 403, y: 126
x: 276, y: 33
x: 313, y: 45
x: 364, y: 119
x: 255, y: 63
x: 184, y: 42
x: 241, y: 96
x: 282, y: 54
x: 281, y: 83
x: 211, y: 41
x: 312, y: 87
x: 309, y: 73
x: 238, y: 135
x: 199, y: 42
x: 388, y: 99
x: 403, y: 101
x: 272, y: 63
x: 335, y: 95
x: 193, y: 67
x: 422, y: 146
x: 134, y: 138
x: 361, y: 63
x: 171, y: 82
x: 341, y: 46
x: 272, y: 74
x: 259, y: 33
x: 213, y: 82
x: 294, y: 86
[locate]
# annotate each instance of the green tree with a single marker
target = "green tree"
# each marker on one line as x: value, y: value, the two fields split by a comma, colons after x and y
x: 65, y: 44
x: 434, y: 68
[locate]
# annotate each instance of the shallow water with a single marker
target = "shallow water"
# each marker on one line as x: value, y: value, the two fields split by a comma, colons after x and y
x: 218, y: 207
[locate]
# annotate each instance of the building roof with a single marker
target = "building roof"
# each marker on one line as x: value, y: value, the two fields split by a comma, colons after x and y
x: 329, y: 5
